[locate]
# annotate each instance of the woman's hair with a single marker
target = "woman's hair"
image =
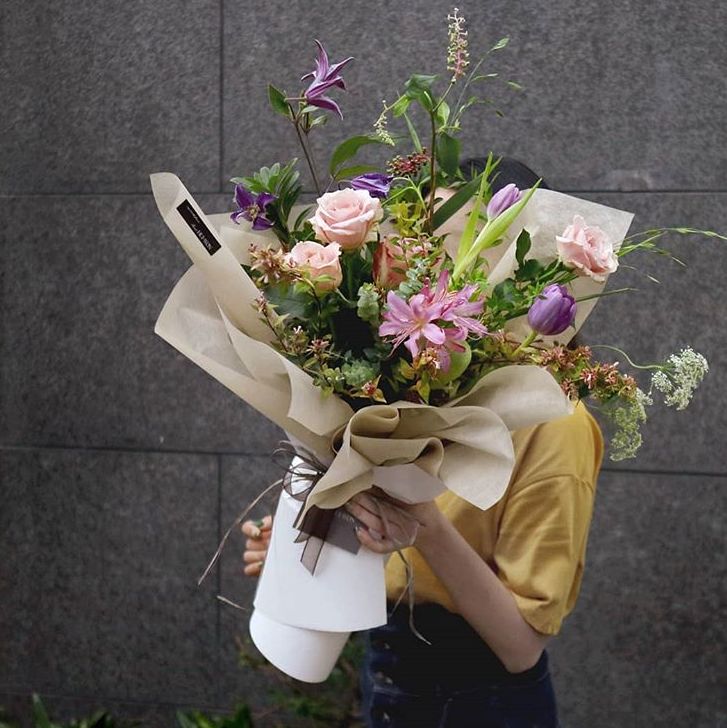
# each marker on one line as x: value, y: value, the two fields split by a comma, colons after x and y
x: 508, y: 171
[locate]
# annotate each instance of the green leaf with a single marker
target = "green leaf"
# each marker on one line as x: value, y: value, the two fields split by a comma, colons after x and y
x: 347, y: 149
x: 470, y: 228
x: 184, y: 721
x: 400, y: 106
x: 277, y: 101
x: 412, y: 133
x: 355, y: 170
x: 448, y: 153
x: 522, y: 246
x: 454, y: 203
x: 492, y: 233
x: 418, y: 88
x: 39, y: 713
x: 318, y: 121
x: 303, y: 214
x: 515, y: 85
x: 529, y: 270
x: 506, y: 290
x: 500, y: 44
x: 442, y: 113
x: 420, y: 82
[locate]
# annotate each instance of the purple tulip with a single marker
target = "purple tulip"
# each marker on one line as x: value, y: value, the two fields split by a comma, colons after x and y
x: 375, y: 183
x: 502, y: 200
x: 325, y: 77
x: 553, y: 311
x: 252, y: 207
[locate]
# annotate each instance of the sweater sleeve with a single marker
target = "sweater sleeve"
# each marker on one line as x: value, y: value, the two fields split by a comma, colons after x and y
x: 541, y: 544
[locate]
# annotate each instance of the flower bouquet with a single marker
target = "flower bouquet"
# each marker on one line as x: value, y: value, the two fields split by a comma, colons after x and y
x: 398, y: 330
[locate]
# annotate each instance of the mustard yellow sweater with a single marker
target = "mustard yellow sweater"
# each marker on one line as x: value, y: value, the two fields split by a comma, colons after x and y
x: 535, y: 537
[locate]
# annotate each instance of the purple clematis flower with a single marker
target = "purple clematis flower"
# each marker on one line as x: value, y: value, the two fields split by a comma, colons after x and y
x: 325, y: 77
x: 375, y: 183
x: 252, y: 207
x: 502, y: 200
x: 553, y: 311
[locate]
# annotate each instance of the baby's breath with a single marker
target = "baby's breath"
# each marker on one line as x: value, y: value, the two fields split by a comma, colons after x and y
x: 680, y: 377
x: 381, y: 132
x: 628, y: 416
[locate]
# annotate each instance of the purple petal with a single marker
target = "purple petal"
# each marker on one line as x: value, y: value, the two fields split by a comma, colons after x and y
x: 243, y: 196
x: 324, y: 102
x: 261, y: 223
x: 264, y: 199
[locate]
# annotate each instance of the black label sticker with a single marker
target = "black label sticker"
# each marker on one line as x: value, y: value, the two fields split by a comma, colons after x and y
x: 196, y: 225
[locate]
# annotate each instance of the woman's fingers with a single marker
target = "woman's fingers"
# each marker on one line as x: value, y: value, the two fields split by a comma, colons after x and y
x: 257, y: 544
x: 253, y: 569
x: 254, y: 557
x: 258, y: 529
x: 366, y: 517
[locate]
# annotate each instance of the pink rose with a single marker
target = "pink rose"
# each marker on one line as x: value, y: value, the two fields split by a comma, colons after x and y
x: 347, y: 217
x: 390, y: 263
x: 319, y: 264
x: 587, y: 249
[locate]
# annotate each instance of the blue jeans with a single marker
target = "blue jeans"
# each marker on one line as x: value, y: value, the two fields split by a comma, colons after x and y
x: 456, y: 682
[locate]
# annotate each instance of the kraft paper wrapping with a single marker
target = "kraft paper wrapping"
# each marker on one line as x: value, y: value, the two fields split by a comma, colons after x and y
x: 210, y: 317
x: 547, y: 214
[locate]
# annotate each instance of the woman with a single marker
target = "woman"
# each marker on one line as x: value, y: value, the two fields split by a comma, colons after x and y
x: 492, y: 587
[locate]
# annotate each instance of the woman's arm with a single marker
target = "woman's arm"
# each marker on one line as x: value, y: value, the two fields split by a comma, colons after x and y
x: 479, y: 595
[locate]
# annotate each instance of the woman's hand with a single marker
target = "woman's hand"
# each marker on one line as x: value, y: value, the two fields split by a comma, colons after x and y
x: 256, y: 546
x: 388, y: 524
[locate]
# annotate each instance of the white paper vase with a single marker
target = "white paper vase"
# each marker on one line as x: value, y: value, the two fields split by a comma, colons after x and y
x: 301, y: 621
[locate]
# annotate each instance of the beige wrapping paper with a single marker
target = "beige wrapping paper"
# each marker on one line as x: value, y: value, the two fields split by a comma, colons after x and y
x: 209, y: 317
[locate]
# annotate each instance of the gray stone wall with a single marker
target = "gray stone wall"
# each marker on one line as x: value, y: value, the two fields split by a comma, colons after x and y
x: 122, y: 462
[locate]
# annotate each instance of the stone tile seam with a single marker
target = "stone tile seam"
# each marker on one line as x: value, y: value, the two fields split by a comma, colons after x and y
x: 220, y: 454
x: 221, y: 105
x: 218, y: 587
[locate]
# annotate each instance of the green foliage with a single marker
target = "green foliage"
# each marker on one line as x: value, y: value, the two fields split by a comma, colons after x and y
x: 283, y: 182
x: 448, y: 148
x: 277, y: 101
x: 454, y: 203
x: 522, y: 246
x: 194, y: 719
x: 348, y: 149
x: 41, y: 719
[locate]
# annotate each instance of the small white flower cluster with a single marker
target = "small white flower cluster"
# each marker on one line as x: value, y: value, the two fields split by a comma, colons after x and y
x: 680, y: 377
x: 381, y: 132
x: 627, y: 417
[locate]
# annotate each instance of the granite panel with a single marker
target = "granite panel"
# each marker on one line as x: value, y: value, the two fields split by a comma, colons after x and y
x: 645, y: 644
x: 86, y: 278
x: 609, y: 99
x: 99, y: 94
x: 98, y: 581
x: 242, y: 478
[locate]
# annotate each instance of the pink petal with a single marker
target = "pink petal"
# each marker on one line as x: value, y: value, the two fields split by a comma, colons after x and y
x: 435, y: 334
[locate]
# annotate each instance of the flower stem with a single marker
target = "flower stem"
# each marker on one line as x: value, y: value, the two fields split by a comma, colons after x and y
x: 627, y: 357
x: 432, y: 169
x: 306, y: 151
x: 524, y: 345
